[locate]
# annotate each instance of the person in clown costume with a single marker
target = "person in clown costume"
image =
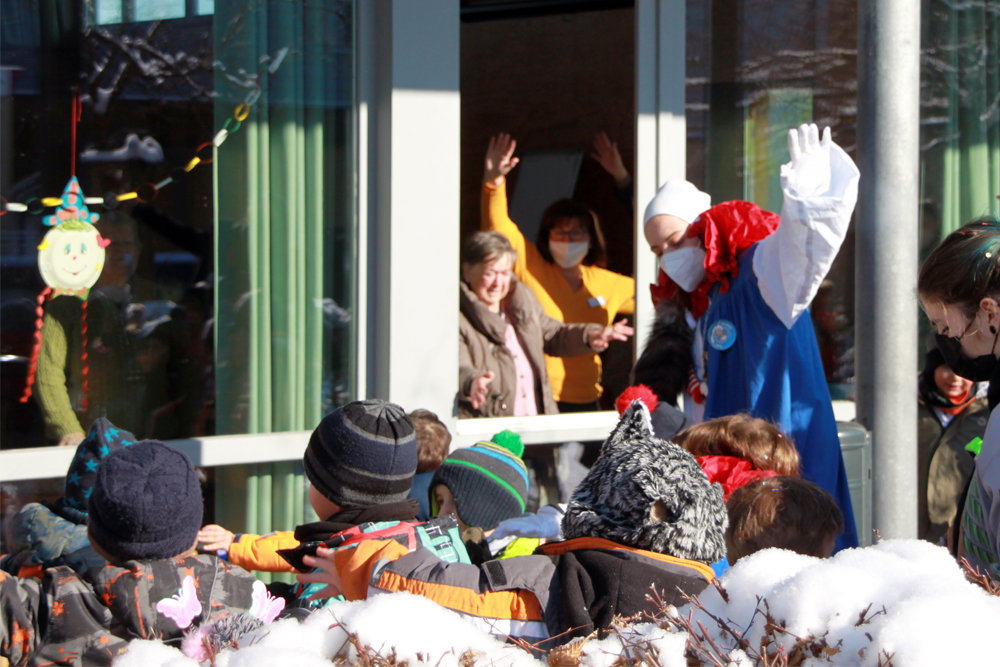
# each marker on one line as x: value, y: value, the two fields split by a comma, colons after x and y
x: 746, y: 278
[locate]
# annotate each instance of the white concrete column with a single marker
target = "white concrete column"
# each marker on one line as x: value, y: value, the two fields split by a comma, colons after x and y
x: 661, y: 130
x: 408, y: 92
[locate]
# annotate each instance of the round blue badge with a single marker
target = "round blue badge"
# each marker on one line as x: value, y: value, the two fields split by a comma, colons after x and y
x: 722, y: 335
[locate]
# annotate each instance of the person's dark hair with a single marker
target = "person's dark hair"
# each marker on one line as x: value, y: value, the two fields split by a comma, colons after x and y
x: 782, y: 512
x: 749, y: 438
x: 433, y: 440
x: 568, y: 209
x: 965, y: 267
x: 666, y: 359
x: 484, y: 245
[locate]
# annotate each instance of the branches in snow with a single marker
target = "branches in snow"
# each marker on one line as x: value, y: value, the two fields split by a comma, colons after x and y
x: 984, y: 581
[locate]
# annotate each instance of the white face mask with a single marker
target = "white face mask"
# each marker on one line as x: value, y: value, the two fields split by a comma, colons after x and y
x: 567, y: 254
x: 685, y: 266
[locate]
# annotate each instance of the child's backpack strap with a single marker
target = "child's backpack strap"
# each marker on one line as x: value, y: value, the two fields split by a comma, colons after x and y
x: 442, y: 536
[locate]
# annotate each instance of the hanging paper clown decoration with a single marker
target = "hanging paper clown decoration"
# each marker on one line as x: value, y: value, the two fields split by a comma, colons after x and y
x: 70, y: 259
x: 71, y: 255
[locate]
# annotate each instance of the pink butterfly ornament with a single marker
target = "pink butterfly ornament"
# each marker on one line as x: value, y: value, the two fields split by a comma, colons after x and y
x: 265, y: 606
x: 183, y: 607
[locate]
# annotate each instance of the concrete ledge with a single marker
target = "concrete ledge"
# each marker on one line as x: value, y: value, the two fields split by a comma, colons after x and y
x: 222, y: 450
x: 51, y: 462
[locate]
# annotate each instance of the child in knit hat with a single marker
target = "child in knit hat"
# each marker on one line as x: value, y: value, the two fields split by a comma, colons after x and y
x: 144, y: 512
x: 782, y: 513
x: 360, y: 463
x: 482, y: 486
x: 644, y: 515
x: 46, y: 535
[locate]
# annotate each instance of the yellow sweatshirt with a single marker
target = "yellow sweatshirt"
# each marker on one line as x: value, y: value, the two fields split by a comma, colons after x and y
x: 604, y: 297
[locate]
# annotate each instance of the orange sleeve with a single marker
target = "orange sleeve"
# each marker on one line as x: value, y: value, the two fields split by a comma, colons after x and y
x: 355, y: 564
x: 626, y: 290
x: 496, y: 219
x: 619, y: 290
x: 254, y: 552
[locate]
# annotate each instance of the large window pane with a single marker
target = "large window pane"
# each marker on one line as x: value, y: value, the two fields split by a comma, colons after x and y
x: 226, y: 301
x: 755, y: 68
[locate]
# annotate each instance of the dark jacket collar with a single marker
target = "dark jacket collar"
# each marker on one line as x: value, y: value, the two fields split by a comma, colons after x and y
x: 599, y: 580
x: 322, y: 533
x: 347, y: 518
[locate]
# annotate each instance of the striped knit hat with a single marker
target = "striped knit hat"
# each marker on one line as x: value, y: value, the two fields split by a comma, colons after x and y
x: 488, y: 480
x: 363, y: 454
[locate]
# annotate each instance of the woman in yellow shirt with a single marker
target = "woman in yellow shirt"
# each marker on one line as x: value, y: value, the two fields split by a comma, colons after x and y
x: 563, y: 269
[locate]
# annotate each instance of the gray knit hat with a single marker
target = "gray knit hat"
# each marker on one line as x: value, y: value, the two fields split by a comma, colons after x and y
x: 363, y: 454
x: 649, y: 494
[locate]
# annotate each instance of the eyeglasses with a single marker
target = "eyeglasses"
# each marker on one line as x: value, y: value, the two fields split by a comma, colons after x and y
x: 573, y: 235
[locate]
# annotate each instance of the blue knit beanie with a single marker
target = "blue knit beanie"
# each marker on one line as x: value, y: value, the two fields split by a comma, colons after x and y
x: 103, y: 439
x: 146, y: 503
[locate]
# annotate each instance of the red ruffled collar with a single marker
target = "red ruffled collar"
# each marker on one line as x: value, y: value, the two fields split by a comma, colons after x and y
x: 731, y: 472
x: 726, y: 229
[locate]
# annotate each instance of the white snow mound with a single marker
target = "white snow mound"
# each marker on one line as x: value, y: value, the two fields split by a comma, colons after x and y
x: 932, y: 617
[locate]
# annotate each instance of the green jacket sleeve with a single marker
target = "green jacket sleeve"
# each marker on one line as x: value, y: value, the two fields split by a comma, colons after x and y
x: 50, y: 378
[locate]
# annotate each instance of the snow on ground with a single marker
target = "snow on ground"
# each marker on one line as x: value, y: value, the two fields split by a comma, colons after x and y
x: 418, y: 630
x: 932, y: 616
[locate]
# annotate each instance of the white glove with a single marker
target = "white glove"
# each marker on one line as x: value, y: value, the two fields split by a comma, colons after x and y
x: 808, y: 174
x: 546, y: 524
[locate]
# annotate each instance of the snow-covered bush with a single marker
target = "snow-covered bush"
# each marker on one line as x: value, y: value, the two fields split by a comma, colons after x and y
x: 903, y: 603
x: 900, y: 602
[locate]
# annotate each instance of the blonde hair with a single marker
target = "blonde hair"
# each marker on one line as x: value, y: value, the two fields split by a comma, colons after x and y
x: 749, y: 438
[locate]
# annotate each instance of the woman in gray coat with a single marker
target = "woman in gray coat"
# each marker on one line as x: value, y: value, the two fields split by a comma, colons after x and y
x: 504, y: 335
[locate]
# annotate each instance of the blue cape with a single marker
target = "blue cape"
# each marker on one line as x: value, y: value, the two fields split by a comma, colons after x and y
x: 776, y: 374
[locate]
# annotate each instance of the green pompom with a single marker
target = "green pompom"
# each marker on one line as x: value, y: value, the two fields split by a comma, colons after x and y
x: 510, y: 441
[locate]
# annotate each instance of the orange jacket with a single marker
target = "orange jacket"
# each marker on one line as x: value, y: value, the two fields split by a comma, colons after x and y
x: 515, y: 596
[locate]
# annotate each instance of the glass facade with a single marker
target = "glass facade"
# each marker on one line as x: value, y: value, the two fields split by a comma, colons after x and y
x: 227, y: 303
x: 226, y: 299
x: 756, y: 68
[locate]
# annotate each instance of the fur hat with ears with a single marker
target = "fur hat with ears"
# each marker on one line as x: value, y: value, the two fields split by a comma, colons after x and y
x: 649, y: 494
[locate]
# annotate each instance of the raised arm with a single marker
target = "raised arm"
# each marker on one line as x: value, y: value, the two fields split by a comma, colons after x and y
x: 820, y: 186
x: 499, y: 162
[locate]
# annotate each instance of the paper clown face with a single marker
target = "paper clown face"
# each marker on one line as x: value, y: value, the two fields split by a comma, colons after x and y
x: 71, y: 256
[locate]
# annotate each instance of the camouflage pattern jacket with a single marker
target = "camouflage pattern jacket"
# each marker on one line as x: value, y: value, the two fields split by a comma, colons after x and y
x: 67, y: 619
